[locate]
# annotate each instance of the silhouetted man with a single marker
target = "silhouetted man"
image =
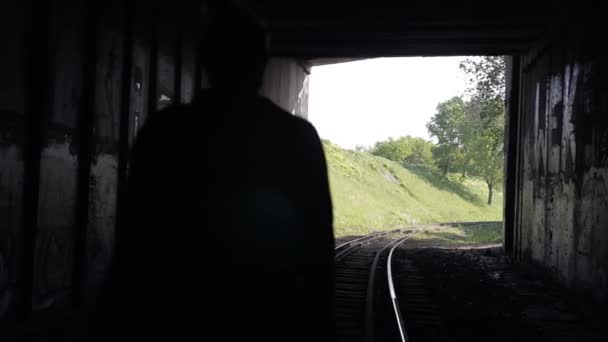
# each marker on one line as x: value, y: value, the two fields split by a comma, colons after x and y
x: 229, y: 233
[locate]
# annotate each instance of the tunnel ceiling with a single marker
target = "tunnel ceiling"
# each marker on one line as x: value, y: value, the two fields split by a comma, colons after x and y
x: 345, y: 29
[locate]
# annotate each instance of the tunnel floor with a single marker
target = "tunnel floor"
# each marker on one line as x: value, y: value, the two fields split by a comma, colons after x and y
x: 482, y: 296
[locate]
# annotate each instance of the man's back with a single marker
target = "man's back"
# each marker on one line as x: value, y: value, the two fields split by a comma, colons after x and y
x: 229, y: 218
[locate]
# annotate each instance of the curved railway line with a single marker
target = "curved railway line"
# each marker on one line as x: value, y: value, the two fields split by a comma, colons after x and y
x: 369, y: 288
x: 357, y: 279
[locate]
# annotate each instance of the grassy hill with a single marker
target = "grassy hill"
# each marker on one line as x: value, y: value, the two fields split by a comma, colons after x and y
x: 372, y: 193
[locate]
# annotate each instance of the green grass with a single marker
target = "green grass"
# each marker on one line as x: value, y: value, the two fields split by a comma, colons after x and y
x: 482, y: 233
x: 372, y: 193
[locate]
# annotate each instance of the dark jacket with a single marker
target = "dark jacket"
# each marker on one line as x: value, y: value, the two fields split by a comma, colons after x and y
x: 229, y: 227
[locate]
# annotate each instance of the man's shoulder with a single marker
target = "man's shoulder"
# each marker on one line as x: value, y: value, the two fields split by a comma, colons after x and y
x: 171, y: 113
x: 284, y: 117
x: 264, y: 112
x: 173, y: 117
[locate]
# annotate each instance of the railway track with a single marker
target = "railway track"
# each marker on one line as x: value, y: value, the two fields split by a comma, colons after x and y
x: 360, y: 287
x: 380, y: 297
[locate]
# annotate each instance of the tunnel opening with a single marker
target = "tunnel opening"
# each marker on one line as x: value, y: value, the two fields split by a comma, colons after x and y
x: 414, y: 142
x: 80, y: 80
x: 399, y: 138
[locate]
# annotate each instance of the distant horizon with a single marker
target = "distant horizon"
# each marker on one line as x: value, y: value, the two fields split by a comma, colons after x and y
x: 360, y: 103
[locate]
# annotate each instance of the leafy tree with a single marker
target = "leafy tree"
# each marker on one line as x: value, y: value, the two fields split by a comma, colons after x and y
x: 446, y: 127
x: 421, y: 154
x: 470, y: 133
x: 405, y: 150
x: 487, y: 78
x: 488, y: 158
x: 392, y: 149
x: 485, y: 143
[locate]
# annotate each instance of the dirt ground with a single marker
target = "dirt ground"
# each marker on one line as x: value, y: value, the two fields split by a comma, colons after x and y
x: 483, y: 296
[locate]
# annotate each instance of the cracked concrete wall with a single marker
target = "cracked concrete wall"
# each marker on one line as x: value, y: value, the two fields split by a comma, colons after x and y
x: 563, y: 165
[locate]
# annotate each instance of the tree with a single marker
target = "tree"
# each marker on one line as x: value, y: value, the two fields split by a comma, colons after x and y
x: 485, y: 144
x: 405, y: 150
x: 487, y: 157
x: 486, y: 76
x: 422, y: 152
x: 395, y: 150
x: 470, y: 134
x: 446, y: 127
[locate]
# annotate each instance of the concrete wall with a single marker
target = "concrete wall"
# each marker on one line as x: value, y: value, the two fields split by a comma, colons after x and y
x: 53, y: 256
x: 562, y: 215
x: 106, y: 113
x: 286, y: 83
x: 77, y: 84
x: 12, y: 125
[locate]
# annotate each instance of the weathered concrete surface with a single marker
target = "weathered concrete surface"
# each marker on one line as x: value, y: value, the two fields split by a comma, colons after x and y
x: 140, y: 76
x: 53, y: 256
x: 103, y: 179
x: 188, y: 68
x: 563, y: 165
x: 166, y: 72
x: 286, y: 83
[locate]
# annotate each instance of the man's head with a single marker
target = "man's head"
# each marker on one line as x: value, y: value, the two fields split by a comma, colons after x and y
x: 235, y: 48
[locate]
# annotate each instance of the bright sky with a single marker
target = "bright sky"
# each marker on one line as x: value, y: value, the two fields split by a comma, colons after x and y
x: 359, y: 103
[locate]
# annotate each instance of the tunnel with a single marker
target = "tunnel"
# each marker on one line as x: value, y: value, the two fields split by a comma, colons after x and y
x: 80, y: 78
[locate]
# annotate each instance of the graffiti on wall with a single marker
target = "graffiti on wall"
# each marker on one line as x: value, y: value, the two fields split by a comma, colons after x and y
x: 565, y: 153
